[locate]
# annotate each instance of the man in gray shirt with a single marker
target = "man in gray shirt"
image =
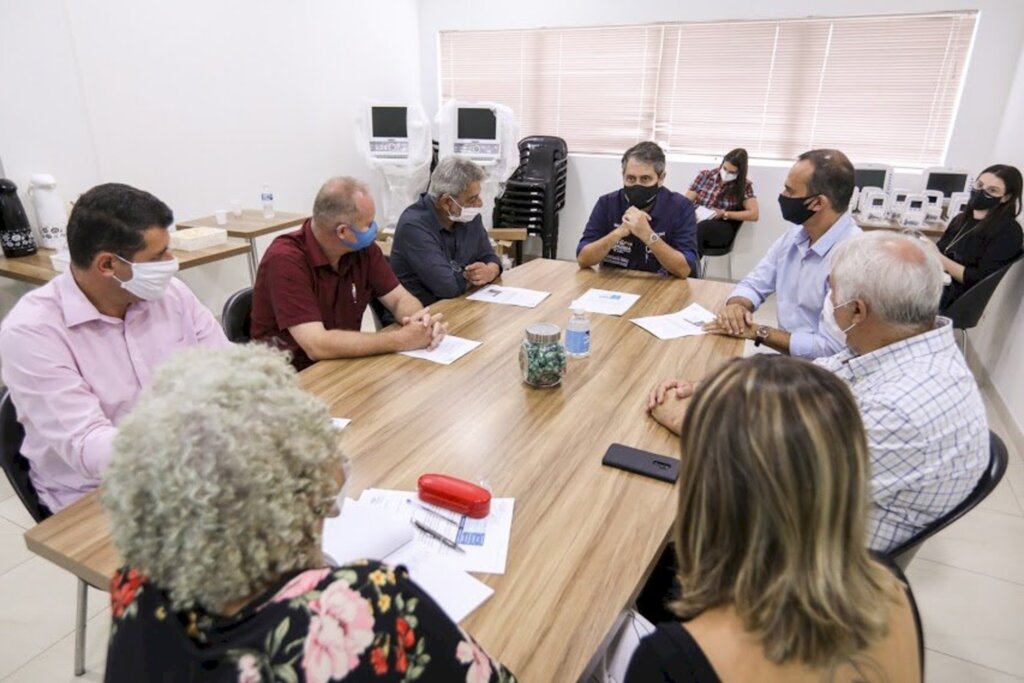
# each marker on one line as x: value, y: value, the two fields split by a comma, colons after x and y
x: 440, y: 246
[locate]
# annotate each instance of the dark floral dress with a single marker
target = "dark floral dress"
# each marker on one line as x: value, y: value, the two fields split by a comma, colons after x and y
x: 361, y: 622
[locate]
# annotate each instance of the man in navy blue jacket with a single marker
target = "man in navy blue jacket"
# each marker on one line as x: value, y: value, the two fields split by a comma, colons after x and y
x: 441, y: 246
x: 643, y: 226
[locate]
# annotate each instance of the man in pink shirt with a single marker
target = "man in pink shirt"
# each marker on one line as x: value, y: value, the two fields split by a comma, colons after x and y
x: 77, y: 352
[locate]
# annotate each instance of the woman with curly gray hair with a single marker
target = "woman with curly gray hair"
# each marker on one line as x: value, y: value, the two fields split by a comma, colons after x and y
x: 220, y: 481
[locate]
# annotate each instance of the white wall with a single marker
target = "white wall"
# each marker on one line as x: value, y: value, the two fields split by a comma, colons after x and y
x: 197, y: 102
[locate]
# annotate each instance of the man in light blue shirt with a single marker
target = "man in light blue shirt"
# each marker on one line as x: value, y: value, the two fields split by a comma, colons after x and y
x: 815, y: 198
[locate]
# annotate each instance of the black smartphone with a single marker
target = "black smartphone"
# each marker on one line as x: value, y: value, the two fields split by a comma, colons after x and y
x: 641, y: 462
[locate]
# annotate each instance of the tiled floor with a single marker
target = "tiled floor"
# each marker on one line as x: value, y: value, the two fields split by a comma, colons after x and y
x: 968, y: 580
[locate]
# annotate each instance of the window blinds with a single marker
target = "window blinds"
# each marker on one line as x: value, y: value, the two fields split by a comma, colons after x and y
x: 880, y: 88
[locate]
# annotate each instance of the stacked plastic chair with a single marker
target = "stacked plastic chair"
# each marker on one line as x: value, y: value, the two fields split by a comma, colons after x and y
x: 536, y: 191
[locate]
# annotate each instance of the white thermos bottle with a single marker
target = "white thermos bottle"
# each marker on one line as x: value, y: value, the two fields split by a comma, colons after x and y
x: 50, y: 213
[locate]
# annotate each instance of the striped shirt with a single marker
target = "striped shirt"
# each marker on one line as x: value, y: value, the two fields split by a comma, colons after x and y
x: 926, y: 429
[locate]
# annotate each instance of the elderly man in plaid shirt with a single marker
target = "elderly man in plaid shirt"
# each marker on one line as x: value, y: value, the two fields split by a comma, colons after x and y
x: 922, y: 411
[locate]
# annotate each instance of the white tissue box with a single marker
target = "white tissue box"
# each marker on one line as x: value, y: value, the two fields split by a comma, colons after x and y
x: 194, y: 239
x: 60, y: 260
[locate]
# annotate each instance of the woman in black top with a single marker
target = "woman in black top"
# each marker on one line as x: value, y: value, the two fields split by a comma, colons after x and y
x: 986, y: 236
x: 775, y: 578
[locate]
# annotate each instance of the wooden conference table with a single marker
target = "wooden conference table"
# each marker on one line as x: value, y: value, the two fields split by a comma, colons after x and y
x: 584, y: 536
x: 37, y: 269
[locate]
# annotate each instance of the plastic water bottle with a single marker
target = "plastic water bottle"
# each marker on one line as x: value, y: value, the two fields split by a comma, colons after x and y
x: 267, y: 197
x: 577, y: 334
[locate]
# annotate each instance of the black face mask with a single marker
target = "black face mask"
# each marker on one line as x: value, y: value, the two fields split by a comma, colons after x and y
x: 982, y: 201
x: 641, y: 196
x: 794, y: 210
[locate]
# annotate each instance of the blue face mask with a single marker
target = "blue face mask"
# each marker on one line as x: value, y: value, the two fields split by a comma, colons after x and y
x: 364, y: 238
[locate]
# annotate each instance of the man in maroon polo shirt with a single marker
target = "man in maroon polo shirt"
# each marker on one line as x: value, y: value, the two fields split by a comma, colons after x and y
x: 313, y: 285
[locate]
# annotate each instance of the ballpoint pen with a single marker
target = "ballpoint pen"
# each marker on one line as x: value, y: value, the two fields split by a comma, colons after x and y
x: 437, y: 514
x: 430, y: 532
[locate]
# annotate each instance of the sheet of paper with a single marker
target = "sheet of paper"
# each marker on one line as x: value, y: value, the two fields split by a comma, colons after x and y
x: 447, y: 352
x: 704, y: 213
x: 483, y: 542
x: 511, y: 296
x: 688, y: 322
x: 371, y: 532
x: 339, y: 423
x: 605, y: 302
x: 454, y: 590
x: 364, y: 532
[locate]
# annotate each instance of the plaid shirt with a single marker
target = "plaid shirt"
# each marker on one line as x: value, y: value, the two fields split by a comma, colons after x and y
x: 711, y: 191
x: 926, y: 429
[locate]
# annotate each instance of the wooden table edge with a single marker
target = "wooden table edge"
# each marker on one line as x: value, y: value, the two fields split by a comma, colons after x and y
x: 91, y: 577
x: 233, y: 247
x: 210, y: 222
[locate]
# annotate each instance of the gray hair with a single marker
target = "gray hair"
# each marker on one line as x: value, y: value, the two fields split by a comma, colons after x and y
x: 646, y: 153
x: 220, y: 476
x: 452, y: 176
x: 898, y: 278
x: 336, y: 201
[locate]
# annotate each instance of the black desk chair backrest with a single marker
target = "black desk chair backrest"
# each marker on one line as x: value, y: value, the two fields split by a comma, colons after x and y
x: 237, y: 316
x: 966, y: 310
x: 704, y: 251
x: 990, y: 478
x: 532, y: 142
x: 14, y: 463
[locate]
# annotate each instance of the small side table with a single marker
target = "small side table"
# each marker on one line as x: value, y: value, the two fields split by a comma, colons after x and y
x: 250, y: 225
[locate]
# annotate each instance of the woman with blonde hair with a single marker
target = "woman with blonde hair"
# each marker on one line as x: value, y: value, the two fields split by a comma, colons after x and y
x: 217, y: 492
x: 776, y: 580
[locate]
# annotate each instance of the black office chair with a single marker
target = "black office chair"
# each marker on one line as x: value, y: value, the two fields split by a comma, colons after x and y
x: 998, y: 458
x: 706, y: 251
x: 236, y: 318
x: 966, y: 310
x: 14, y: 463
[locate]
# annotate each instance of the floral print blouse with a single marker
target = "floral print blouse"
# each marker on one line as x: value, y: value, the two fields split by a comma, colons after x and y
x: 361, y: 622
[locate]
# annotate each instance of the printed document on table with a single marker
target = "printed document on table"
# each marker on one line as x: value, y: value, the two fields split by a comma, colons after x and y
x: 483, y: 542
x: 704, y: 213
x: 605, y: 302
x: 457, y: 592
x: 688, y: 322
x: 447, y: 352
x: 511, y: 296
x: 364, y: 531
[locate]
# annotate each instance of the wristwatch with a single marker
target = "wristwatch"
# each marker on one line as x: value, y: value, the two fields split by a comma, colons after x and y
x: 654, y: 238
x: 761, y: 334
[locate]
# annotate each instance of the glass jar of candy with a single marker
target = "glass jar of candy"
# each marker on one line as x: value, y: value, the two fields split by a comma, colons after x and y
x: 542, y: 357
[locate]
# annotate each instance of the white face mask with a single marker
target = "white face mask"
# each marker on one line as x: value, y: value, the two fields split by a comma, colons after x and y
x: 149, y: 280
x: 828, y: 317
x: 468, y: 212
x: 726, y: 176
